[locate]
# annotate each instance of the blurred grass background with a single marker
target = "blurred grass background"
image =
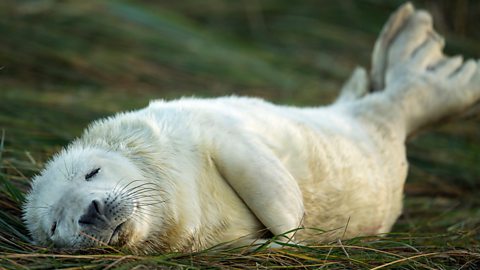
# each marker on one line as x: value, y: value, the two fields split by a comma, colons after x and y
x: 66, y: 63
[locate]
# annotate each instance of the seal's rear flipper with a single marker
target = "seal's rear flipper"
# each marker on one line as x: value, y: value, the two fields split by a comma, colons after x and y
x: 359, y: 83
x: 421, y: 82
x: 356, y: 86
x: 422, y: 85
x: 381, y: 55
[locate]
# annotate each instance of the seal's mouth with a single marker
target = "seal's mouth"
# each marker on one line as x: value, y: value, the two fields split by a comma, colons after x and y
x: 116, y: 232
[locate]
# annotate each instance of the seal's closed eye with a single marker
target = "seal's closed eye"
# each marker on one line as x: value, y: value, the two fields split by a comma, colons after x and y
x: 92, y: 174
x: 53, y: 228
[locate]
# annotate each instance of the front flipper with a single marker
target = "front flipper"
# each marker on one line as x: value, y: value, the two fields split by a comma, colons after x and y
x: 262, y: 181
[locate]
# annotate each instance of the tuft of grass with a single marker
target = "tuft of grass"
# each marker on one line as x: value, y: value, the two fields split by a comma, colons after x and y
x: 66, y: 63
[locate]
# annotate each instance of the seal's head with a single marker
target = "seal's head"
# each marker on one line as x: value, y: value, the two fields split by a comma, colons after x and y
x: 90, y: 197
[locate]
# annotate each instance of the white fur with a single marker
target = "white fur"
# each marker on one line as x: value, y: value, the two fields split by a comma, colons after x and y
x: 228, y: 167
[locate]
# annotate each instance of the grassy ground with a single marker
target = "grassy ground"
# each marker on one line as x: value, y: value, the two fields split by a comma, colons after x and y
x: 65, y: 63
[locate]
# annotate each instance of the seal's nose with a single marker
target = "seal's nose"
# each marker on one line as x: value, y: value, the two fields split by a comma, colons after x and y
x: 94, y: 215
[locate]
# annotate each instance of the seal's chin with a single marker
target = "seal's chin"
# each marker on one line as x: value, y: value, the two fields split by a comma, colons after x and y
x: 120, y: 235
x: 115, y: 234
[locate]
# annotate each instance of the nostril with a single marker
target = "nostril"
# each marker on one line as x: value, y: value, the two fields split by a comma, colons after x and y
x: 94, y: 214
x: 96, y: 206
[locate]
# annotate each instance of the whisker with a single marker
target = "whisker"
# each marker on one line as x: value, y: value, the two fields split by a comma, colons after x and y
x: 144, y: 216
x: 127, y: 185
x: 139, y: 187
x: 117, y: 185
x: 141, y: 193
x: 140, y: 196
x: 117, y: 193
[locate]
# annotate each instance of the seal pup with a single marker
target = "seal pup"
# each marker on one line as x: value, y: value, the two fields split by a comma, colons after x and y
x: 191, y: 173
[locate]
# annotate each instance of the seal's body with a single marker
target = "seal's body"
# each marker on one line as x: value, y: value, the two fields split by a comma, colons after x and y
x: 336, y: 167
x: 192, y: 173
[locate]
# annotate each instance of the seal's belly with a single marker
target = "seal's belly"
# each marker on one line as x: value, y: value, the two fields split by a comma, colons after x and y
x: 348, y: 190
x: 351, y: 176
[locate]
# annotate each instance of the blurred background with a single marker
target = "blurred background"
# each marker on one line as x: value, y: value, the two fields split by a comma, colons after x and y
x: 66, y: 63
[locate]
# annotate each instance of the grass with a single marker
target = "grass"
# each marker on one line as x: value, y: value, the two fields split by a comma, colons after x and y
x: 66, y: 63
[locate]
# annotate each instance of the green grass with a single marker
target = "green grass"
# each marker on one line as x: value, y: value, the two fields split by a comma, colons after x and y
x: 66, y: 63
